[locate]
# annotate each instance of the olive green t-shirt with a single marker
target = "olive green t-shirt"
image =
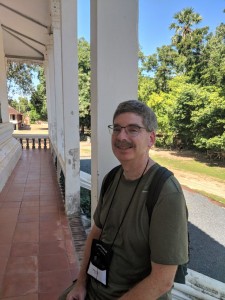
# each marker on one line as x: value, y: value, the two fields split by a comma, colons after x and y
x: 164, y: 241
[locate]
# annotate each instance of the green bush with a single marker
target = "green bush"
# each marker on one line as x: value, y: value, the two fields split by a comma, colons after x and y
x: 85, y: 202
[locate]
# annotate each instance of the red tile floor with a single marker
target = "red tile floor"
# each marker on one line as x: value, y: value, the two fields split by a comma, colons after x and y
x: 37, y: 256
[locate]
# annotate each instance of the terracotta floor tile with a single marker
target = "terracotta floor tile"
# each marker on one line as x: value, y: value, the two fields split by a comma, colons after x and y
x: 54, y: 247
x: 49, y: 208
x: 5, y: 250
x: 14, y: 196
x: 3, y: 263
x: 49, y: 216
x: 9, y: 214
x: 30, y: 203
x: 47, y: 198
x: 28, y: 217
x: 31, y: 193
x: 48, y: 193
x: 19, y: 265
x: 11, y: 204
x: 26, y: 232
x: 31, y: 181
x: 14, y: 285
x: 7, y: 232
x: 66, y: 233
x: 70, y: 250
x: 53, y: 262
x: 47, y: 202
x: 50, y: 231
x: 49, y: 296
x: 20, y: 179
x: 54, y: 281
x: 1, y: 283
x: 24, y: 249
x: 29, y: 210
x: 25, y: 297
x: 37, y: 254
x: 32, y: 190
x: 31, y: 198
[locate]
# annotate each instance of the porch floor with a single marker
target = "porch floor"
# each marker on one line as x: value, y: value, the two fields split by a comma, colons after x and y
x: 37, y: 255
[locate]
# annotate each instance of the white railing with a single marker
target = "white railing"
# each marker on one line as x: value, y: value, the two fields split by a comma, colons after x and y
x: 199, y: 286
x: 32, y: 141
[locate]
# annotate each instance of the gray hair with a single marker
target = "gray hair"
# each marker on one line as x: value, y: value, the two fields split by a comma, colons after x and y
x: 139, y: 108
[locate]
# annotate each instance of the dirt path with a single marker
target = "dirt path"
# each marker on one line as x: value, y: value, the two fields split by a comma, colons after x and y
x: 195, y: 182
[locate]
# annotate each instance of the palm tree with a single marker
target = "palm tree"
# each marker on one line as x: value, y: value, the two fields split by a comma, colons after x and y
x: 185, y: 21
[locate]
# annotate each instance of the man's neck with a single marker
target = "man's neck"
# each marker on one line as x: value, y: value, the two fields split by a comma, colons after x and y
x: 133, y: 171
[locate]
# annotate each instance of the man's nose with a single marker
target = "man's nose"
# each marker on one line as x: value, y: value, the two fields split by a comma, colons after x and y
x: 122, y: 133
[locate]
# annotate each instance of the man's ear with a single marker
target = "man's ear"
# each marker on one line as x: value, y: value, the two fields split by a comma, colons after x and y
x: 152, y: 137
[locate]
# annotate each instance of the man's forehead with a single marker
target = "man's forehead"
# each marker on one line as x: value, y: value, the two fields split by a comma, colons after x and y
x: 130, y: 117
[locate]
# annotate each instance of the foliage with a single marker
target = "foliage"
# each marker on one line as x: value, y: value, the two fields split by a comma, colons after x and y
x: 146, y: 88
x: 22, y: 104
x: 38, y: 101
x: 84, y: 79
x: 85, y: 199
x: 19, y: 78
x: 184, y: 83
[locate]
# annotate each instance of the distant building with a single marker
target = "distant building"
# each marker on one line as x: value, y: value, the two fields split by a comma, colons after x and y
x: 15, y: 117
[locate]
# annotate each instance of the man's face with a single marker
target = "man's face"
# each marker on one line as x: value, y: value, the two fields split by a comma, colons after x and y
x: 127, y: 147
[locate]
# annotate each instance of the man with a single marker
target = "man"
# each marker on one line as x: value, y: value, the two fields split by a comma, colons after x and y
x: 125, y: 258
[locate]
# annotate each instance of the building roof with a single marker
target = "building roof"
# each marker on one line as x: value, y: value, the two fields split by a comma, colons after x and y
x: 26, y: 28
x: 13, y: 111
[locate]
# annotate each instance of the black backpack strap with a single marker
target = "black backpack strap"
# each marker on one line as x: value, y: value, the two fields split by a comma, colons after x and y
x: 160, y: 177
x: 109, y: 179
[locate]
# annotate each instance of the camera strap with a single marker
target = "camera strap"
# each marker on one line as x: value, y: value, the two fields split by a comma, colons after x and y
x: 128, y: 206
x: 101, y: 253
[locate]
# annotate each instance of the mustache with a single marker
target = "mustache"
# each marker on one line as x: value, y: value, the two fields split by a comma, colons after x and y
x: 123, y: 143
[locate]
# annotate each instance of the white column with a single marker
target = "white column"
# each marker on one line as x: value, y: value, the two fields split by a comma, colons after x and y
x: 58, y: 85
x: 48, y: 94
x: 51, y: 101
x: 114, y: 66
x: 3, y: 82
x: 71, y: 105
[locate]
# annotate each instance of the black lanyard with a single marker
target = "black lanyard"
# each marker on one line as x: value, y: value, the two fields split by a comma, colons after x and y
x: 121, y: 223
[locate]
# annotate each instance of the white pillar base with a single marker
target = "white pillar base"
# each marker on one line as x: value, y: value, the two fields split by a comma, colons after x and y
x: 10, y: 152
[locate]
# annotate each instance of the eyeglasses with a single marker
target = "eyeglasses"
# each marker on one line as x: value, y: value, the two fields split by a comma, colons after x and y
x: 131, y: 130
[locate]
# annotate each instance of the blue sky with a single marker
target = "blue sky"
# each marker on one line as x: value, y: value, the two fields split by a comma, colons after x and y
x: 155, y: 17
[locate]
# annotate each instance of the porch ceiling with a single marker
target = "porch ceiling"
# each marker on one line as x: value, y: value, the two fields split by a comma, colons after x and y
x: 26, y: 27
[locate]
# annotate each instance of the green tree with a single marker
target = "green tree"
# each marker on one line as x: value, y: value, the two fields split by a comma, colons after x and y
x: 21, y: 104
x: 208, y: 120
x: 189, y: 42
x: 38, y: 101
x: 84, y: 83
x: 19, y: 78
x: 213, y: 59
x: 146, y: 86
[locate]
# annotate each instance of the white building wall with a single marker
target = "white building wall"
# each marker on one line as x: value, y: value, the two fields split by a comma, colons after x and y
x: 10, y: 149
x: 3, y: 82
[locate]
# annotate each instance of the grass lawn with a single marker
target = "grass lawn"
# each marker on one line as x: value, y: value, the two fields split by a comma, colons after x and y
x: 191, y: 166
x: 195, y: 167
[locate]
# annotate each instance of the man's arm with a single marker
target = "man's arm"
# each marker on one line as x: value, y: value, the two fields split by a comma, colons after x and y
x: 153, y: 286
x: 79, y: 291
